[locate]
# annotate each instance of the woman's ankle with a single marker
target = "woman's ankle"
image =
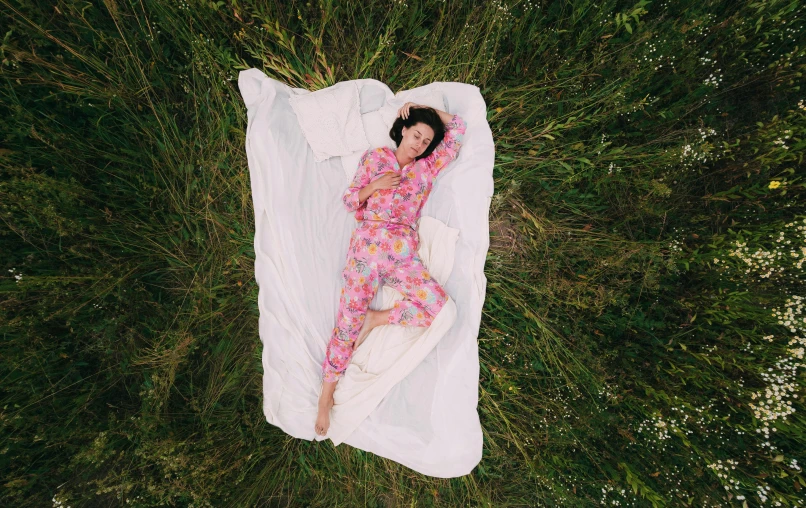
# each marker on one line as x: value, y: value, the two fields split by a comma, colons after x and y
x: 382, y: 316
x: 327, y: 390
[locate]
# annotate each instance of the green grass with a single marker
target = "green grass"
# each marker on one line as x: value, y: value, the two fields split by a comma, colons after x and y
x: 625, y: 346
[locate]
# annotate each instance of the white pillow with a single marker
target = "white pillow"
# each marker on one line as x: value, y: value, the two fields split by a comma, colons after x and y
x: 372, y: 98
x: 330, y: 120
x: 376, y: 130
x: 433, y: 98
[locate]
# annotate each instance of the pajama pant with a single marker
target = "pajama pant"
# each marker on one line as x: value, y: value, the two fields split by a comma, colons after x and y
x: 380, y: 253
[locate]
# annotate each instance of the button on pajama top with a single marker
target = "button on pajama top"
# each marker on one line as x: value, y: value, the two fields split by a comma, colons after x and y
x: 385, y: 252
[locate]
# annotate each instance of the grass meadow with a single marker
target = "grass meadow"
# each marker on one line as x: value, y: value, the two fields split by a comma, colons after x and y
x: 643, y: 335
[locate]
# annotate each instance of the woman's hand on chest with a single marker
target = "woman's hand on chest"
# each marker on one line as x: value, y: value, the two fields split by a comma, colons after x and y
x: 387, y: 180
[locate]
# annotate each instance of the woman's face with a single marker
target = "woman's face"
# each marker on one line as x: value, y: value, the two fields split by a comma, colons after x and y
x: 416, y: 139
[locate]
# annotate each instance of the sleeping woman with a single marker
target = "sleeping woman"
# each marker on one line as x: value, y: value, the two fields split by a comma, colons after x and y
x: 387, y: 194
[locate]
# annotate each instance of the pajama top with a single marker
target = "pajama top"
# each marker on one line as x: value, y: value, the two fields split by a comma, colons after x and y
x: 403, y: 204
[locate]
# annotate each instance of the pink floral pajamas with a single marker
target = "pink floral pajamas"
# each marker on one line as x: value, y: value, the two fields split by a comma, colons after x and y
x: 383, y: 248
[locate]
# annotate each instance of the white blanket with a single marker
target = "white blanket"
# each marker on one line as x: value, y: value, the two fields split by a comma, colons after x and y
x: 409, y: 394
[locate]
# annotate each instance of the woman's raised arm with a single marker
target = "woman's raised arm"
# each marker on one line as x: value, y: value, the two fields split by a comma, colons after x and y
x: 448, y: 149
x: 445, y: 117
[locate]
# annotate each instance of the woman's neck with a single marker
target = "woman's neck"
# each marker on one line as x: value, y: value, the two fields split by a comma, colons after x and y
x: 401, y: 161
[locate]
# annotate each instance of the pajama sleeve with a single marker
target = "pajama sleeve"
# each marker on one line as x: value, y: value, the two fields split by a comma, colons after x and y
x: 448, y: 148
x: 361, y: 179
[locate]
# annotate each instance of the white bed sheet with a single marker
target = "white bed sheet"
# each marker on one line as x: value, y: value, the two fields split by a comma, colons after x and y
x: 428, y: 421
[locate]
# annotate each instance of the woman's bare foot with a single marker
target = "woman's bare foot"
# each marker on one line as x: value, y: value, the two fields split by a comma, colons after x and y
x: 325, y: 403
x: 323, y: 418
x: 374, y: 318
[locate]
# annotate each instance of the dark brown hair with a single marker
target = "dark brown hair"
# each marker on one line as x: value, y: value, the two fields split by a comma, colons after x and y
x: 425, y: 115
